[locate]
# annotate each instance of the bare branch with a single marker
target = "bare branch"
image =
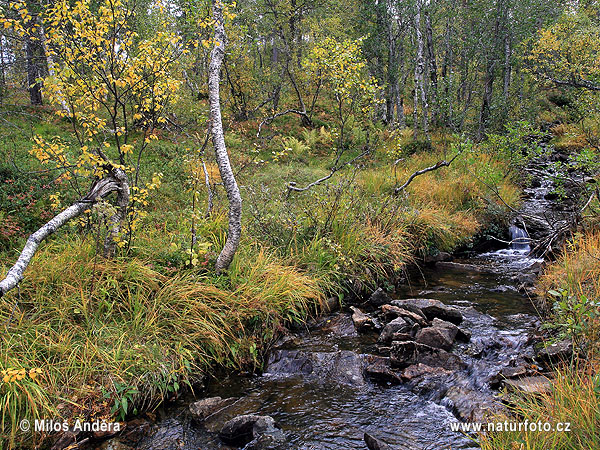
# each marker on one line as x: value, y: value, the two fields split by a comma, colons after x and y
x: 292, y: 185
x: 279, y: 114
x: 436, y: 166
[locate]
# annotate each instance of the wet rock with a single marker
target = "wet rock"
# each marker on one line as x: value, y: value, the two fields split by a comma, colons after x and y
x: 289, y: 362
x: 378, y: 367
x: 331, y: 304
x: 361, y: 320
x: 202, y: 409
x: 421, y: 370
x: 375, y: 444
x: 431, y: 308
x: 469, y: 405
x: 65, y: 440
x: 398, y: 325
x: 403, y: 354
x: 529, y: 385
x: 170, y: 435
x: 379, y: 297
x: 441, y: 256
x: 557, y: 352
x: 242, y: 430
x: 495, y: 381
x: 135, y: 431
x: 267, y: 436
x: 437, y: 336
x: 340, y: 325
x: 513, y: 372
x: 344, y: 367
x: 390, y: 312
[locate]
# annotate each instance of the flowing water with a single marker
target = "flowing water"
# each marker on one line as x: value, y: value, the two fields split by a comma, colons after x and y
x: 319, y: 407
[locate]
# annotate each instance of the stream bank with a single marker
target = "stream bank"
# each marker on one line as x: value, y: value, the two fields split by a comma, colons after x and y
x: 328, y: 384
x: 391, y: 371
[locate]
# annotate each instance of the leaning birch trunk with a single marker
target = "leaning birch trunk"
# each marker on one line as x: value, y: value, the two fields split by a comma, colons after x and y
x: 99, y: 190
x: 216, y: 124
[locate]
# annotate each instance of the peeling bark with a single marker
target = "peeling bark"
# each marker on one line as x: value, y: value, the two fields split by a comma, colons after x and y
x: 110, y: 243
x: 229, y: 182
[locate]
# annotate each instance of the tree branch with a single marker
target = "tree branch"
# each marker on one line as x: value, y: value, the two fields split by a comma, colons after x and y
x: 436, y: 166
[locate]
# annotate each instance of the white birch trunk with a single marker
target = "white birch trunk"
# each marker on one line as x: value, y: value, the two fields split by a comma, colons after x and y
x: 231, y: 187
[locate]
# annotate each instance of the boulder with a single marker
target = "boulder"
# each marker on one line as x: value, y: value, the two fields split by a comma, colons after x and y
x: 379, y: 297
x: 558, y: 352
x: 431, y: 308
x: 404, y: 354
x: 458, y: 266
x: 529, y: 385
x: 339, y: 324
x: 390, y: 312
x: 420, y: 370
x: 202, y: 409
x: 249, y: 428
x: 375, y: 444
x: 513, y: 372
x: 441, y: 256
x: 398, y: 325
x: 436, y: 337
x: 361, y: 320
x: 344, y: 366
x: 379, y: 368
x: 469, y: 405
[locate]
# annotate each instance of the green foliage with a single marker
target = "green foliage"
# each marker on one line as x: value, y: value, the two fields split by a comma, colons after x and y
x: 122, y: 397
x: 575, y: 317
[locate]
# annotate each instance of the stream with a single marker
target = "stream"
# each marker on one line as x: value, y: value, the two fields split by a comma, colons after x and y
x: 321, y: 391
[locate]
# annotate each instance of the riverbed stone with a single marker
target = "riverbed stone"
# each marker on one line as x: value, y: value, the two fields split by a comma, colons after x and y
x: 379, y: 368
x: 431, y: 308
x: 440, y: 256
x: 201, y: 409
x: 404, y: 354
x: 558, y: 352
x: 529, y: 385
x: 241, y: 430
x: 420, y: 370
x: 458, y: 266
x: 398, y: 325
x: 343, y: 366
x: 375, y: 444
x: 469, y: 405
x: 379, y: 297
x: 390, y: 312
x: 436, y: 336
x: 361, y: 320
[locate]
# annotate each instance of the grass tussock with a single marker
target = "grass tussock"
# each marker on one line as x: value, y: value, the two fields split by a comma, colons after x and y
x: 577, y: 270
x: 574, y: 398
x: 121, y: 330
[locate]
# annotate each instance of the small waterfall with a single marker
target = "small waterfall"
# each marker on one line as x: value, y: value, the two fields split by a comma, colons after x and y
x: 519, y: 239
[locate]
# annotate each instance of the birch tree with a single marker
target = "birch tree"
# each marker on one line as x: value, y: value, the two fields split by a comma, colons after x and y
x: 216, y: 125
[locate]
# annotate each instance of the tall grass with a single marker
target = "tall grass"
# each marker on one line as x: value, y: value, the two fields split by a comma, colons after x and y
x: 574, y: 398
x: 92, y: 326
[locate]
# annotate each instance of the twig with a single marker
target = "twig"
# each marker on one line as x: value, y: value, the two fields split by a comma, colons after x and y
x: 436, y: 166
x: 292, y: 185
